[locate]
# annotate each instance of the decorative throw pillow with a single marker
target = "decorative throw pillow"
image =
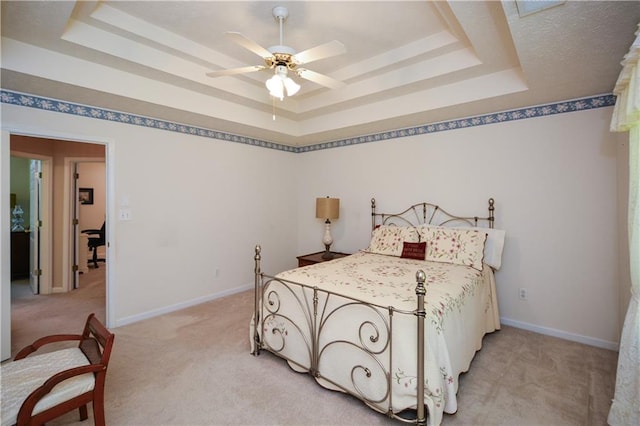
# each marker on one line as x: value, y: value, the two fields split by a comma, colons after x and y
x: 388, y: 239
x: 414, y: 250
x: 454, y: 245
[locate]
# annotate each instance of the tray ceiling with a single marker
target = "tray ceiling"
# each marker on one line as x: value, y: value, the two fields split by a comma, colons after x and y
x: 407, y: 63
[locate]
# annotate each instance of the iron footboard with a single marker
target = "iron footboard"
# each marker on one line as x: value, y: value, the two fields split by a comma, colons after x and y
x: 293, y: 320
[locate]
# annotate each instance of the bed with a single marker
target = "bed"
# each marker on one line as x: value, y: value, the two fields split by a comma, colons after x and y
x: 393, y: 324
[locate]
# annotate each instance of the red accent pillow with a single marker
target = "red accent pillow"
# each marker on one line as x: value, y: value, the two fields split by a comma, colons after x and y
x: 414, y: 250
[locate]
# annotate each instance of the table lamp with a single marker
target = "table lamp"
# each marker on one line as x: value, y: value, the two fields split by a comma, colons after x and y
x: 327, y: 208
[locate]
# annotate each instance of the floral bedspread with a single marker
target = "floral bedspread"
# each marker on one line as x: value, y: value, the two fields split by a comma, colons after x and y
x: 391, y: 281
x: 460, y: 304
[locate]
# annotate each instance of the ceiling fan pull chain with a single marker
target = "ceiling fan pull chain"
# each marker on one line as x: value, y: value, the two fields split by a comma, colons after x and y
x: 273, y: 105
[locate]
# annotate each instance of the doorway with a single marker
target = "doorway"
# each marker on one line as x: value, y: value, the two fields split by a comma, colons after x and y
x: 86, y: 180
x: 57, y: 151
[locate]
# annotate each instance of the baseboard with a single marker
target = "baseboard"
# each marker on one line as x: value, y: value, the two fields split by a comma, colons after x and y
x: 613, y: 346
x: 178, y: 306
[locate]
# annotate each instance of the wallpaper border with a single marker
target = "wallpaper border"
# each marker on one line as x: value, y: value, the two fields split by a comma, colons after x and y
x: 38, y: 102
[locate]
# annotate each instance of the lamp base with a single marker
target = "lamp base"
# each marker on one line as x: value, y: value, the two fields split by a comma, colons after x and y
x: 327, y: 255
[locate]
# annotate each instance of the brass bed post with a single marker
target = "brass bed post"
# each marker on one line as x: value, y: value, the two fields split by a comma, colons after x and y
x: 373, y: 214
x: 491, y: 216
x: 256, y: 301
x: 420, y: 314
x: 315, y: 355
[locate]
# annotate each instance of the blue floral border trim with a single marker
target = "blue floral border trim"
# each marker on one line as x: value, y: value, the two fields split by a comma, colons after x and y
x: 32, y: 101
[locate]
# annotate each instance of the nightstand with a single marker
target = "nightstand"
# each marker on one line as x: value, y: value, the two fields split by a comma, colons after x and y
x: 310, y: 259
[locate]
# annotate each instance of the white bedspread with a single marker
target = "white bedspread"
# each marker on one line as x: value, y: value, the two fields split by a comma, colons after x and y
x: 460, y: 304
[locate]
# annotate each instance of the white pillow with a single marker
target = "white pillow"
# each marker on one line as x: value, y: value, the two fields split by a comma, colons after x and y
x: 493, y: 247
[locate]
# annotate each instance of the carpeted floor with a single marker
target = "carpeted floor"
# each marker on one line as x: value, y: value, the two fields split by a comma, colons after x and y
x: 34, y: 316
x: 193, y: 367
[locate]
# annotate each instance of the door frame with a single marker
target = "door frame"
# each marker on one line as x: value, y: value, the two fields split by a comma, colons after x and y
x: 69, y: 243
x: 5, y: 244
x: 5, y: 265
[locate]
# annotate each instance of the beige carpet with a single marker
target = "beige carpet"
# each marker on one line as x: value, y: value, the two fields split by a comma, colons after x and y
x: 193, y: 367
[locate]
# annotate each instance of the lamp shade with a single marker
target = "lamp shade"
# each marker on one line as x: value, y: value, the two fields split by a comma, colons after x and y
x: 327, y: 208
x: 279, y: 82
x: 275, y: 86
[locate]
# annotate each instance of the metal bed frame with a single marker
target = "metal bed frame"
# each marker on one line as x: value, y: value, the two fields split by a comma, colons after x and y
x: 374, y: 333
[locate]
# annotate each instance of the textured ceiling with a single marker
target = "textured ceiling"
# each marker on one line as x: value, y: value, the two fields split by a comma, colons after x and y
x: 407, y: 63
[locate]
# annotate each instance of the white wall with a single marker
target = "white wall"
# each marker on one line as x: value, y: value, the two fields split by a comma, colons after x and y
x: 198, y: 206
x: 554, y: 180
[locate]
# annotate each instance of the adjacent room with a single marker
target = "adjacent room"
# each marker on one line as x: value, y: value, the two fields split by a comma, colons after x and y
x: 249, y: 171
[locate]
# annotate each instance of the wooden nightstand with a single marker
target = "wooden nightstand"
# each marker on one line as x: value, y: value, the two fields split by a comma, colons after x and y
x: 310, y: 259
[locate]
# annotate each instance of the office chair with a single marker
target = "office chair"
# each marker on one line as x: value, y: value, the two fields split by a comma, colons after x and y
x: 95, y: 242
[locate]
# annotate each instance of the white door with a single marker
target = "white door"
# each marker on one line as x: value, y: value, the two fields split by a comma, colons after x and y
x: 35, y: 224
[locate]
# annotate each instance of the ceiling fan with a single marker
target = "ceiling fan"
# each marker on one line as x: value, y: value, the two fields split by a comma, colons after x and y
x: 283, y: 59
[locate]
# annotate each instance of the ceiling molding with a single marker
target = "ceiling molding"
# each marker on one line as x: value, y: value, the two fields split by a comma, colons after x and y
x: 96, y: 113
x: 406, y: 62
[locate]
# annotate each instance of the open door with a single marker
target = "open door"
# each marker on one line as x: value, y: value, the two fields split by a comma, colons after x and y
x: 35, y: 224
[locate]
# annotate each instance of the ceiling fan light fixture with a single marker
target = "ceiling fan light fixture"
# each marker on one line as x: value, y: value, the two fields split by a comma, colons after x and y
x: 275, y: 87
x: 291, y: 86
x: 281, y: 82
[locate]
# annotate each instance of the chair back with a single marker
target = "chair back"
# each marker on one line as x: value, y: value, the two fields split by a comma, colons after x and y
x: 96, y: 342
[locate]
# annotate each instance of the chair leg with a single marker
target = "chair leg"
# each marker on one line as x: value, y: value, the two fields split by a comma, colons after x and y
x: 95, y: 257
x: 98, y: 411
x: 83, y: 412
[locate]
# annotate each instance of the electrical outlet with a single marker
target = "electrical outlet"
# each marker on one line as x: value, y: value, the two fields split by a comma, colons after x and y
x: 522, y: 294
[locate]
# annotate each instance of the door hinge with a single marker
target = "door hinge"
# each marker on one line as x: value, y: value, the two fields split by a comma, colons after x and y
x: 76, y: 175
x: 75, y: 221
x: 75, y: 268
x: 39, y: 224
x: 40, y: 175
x: 37, y: 272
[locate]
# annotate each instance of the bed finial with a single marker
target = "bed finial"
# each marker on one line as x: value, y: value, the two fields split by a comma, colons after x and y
x: 373, y: 214
x: 257, y: 258
x: 491, y: 210
x: 421, y: 277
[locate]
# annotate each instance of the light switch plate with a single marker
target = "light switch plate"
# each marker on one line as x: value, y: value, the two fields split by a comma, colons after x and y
x: 125, y: 214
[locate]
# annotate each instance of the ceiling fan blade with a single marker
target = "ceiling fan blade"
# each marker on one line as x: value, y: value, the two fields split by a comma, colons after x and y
x: 249, y: 44
x: 321, y: 79
x: 326, y: 50
x: 233, y: 71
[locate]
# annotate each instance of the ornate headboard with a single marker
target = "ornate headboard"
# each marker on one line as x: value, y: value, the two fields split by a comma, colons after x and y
x: 430, y: 214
